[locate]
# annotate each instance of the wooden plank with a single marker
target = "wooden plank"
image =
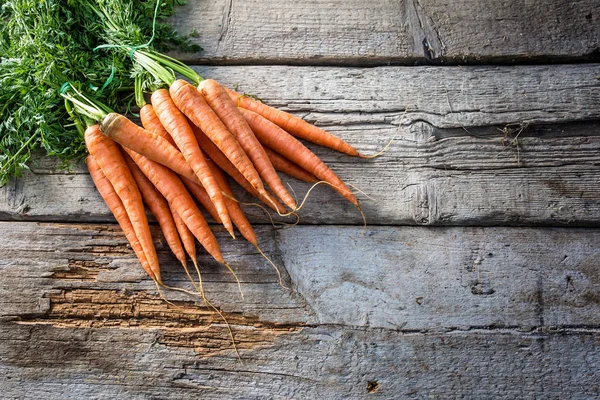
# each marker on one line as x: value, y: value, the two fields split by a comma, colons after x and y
x: 445, y: 97
x: 489, y: 146
x: 407, y: 312
x: 66, y: 259
x: 414, y: 278
x: 330, y: 362
x: 385, y: 31
x: 401, y: 278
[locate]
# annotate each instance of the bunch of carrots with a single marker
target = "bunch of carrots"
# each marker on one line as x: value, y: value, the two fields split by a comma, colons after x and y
x: 195, y: 133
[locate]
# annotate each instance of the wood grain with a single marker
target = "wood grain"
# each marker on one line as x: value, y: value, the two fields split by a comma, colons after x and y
x: 400, y: 278
x: 65, y: 363
x: 409, y: 311
x: 481, y: 146
x: 378, y: 32
x: 504, y: 307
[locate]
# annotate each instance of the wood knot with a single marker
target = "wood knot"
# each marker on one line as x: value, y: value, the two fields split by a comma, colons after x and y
x: 372, y: 386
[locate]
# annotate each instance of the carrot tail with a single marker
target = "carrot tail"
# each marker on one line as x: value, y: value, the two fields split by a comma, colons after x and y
x: 294, y: 125
x: 115, y: 205
x: 282, y: 142
x: 225, y: 108
x: 109, y: 158
x: 237, y: 215
x: 190, y: 247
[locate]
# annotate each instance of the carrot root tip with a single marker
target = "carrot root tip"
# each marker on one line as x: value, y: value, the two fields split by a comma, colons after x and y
x: 274, y: 267
x: 236, y: 278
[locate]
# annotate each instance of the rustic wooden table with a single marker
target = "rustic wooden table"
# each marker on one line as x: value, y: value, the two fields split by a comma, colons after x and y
x: 478, y: 275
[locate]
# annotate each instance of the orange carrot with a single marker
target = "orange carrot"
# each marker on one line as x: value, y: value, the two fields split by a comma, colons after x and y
x: 189, y: 100
x: 159, y: 207
x: 200, y: 194
x: 294, y: 125
x: 177, y: 125
x: 116, y: 206
x: 239, y: 218
x: 283, y: 143
x: 171, y: 187
x: 151, y: 122
x: 219, y: 158
x: 237, y: 215
x: 108, y: 156
x: 185, y: 234
x: 284, y: 165
x: 149, y: 144
x: 190, y: 247
x: 226, y: 109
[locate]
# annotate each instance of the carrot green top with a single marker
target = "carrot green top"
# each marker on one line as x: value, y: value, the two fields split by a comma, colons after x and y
x: 46, y: 43
x: 163, y: 67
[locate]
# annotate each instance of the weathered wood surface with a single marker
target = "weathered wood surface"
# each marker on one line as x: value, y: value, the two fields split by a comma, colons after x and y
x: 481, y: 146
x: 397, y: 312
x: 378, y: 32
x: 410, y: 311
x: 314, y: 363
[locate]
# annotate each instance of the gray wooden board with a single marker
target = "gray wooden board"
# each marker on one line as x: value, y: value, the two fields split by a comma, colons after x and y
x: 481, y: 146
x: 416, y: 312
x: 411, y: 278
x: 394, y: 312
x: 389, y: 31
x: 326, y: 363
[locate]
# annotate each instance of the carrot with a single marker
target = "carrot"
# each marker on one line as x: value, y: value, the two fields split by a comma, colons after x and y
x: 149, y: 144
x: 283, y: 143
x: 284, y: 165
x: 160, y: 208
x: 171, y: 187
x: 239, y: 218
x: 187, y: 238
x: 177, y: 125
x: 226, y: 109
x: 294, y: 125
x: 109, y: 158
x: 189, y: 100
x: 200, y: 194
x: 237, y: 215
x: 219, y: 158
x: 117, y: 208
x: 151, y: 123
x: 190, y: 248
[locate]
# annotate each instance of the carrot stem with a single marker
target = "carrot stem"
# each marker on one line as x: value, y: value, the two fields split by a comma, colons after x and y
x: 175, y: 65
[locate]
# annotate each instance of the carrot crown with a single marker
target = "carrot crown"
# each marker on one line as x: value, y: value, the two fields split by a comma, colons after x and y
x: 163, y: 67
x: 139, y: 92
x: 77, y: 103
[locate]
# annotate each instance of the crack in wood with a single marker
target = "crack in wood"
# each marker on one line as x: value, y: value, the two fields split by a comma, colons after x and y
x: 80, y: 270
x: 179, y: 323
x: 425, y: 34
x: 227, y: 15
x: 138, y: 309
